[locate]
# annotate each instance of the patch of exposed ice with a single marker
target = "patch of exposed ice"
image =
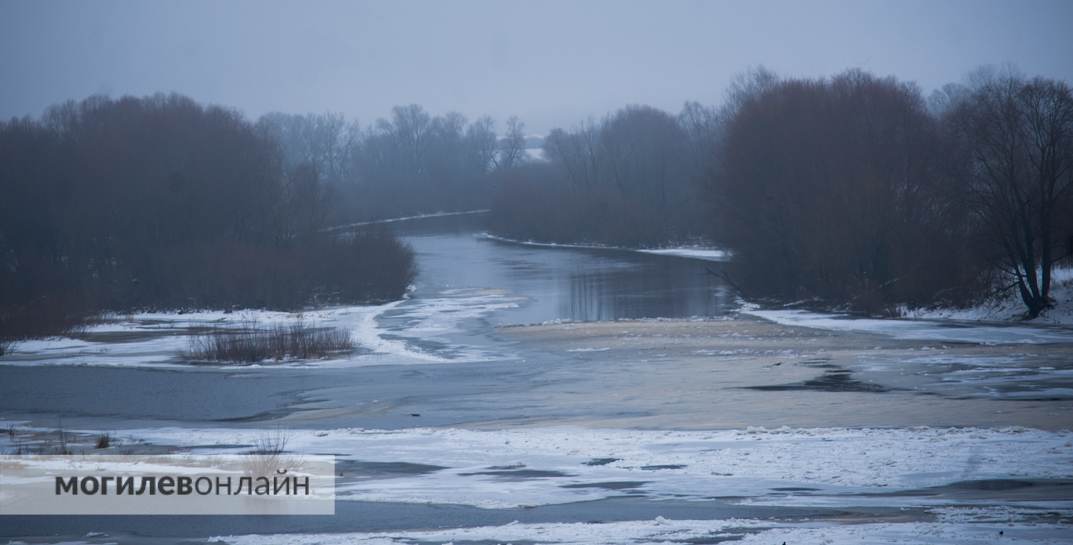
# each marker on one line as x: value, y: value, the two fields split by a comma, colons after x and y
x: 438, y: 320
x: 914, y: 533
x: 1009, y: 376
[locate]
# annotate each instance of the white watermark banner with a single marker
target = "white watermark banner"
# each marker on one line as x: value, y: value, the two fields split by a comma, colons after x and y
x: 173, y: 484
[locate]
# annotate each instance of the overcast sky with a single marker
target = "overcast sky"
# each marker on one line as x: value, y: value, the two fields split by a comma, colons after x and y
x: 552, y: 63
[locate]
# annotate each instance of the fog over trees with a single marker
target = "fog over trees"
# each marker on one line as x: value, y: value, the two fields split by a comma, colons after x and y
x: 409, y: 163
x: 159, y: 202
x: 852, y: 190
x: 848, y: 191
x: 629, y: 179
x: 834, y: 188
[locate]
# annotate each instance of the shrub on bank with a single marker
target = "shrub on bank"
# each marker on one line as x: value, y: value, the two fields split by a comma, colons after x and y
x: 253, y: 344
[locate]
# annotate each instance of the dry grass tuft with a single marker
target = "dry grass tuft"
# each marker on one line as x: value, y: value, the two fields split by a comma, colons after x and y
x: 253, y: 344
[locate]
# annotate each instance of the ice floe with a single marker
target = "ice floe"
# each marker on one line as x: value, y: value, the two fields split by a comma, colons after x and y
x: 538, y: 466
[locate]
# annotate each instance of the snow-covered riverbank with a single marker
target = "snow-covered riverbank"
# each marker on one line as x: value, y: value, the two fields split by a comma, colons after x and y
x: 349, y: 226
x: 1007, y: 306
x: 999, y: 320
x: 160, y: 339
x: 704, y: 253
x: 938, y: 330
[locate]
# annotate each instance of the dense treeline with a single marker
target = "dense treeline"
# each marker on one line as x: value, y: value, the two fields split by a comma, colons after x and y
x: 838, y: 189
x: 410, y: 163
x: 630, y: 179
x: 160, y: 202
x: 851, y: 191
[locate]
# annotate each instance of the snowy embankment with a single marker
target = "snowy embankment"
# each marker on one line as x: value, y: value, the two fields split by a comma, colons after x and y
x: 996, y: 321
x: 541, y: 466
x: 159, y: 339
x: 918, y: 330
x: 1007, y: 306
x: 692, y: 252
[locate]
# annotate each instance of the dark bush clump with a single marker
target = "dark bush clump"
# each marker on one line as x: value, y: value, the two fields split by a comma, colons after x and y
x: 253, y: 344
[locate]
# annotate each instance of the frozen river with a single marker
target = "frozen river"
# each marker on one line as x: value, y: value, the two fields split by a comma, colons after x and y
x: 528, y: 394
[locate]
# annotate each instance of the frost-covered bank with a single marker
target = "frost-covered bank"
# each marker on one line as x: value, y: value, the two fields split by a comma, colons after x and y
x: 164, y: 339
x: 1007, y: 305
x: 704, y: 253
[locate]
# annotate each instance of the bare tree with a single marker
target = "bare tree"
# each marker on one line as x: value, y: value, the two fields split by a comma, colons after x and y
x: 1020, y: 138
x: 415, y: 162
x: 410, y: 126
x: 512, y: 145
x: 322, y: 140
x: 644, y: 152
x: 481, y: 137
x: 625, y: 180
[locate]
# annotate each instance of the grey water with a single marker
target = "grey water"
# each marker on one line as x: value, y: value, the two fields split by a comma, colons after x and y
x: 562, y: 283
x: 542, y: 284
x: 456, y: 266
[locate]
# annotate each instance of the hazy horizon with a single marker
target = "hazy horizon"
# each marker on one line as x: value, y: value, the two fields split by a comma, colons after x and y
x: 551, y: 63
